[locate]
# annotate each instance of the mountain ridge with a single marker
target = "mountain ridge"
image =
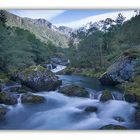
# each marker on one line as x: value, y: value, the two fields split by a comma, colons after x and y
x: 43, y: 29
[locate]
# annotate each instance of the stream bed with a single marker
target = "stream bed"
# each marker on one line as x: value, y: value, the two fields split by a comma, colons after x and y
x: 61, y: 112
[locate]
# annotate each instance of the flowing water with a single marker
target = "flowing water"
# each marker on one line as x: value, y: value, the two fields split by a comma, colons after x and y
x: 61, y: 112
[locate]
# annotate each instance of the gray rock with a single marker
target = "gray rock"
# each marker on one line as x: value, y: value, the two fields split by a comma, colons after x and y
x: 122, y: 70
x: 74, y: 90
x: 38, y: 78
x: 30, y: 98
x: 8, y: 98
x: 106, y: 96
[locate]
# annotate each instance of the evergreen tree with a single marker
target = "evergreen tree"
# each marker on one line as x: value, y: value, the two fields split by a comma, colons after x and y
x: 2, y: 17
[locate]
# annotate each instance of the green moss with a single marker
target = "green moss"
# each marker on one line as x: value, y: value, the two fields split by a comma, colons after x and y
x: 32, y: 69
x: 132, y: 89
x: 113, y: 127
x: 4, y: 78
x: 92, y: 73
x: 88, y: 72
x: 74, y: 90
x: 134, y: 53
x: 106, y: 95
x: 30, y: 98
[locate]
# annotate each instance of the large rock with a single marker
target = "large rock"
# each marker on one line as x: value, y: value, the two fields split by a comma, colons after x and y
x: 38, y: 78
x: 8, y: 98
x: 106, y: 96
x: 122, y: 70
x: 30, y: 98
x: 113, y: 127
x: 74, y: 90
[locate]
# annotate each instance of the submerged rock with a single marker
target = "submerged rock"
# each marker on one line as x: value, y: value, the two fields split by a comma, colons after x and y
x: 122, y: 70
x: 30, y: 98
x: 113, y: 127
x: 8, y: 98
x: 38, y: 78
x: 74, y: 90
x: 119, y: 119
x: 91, y: 109
x: 106, y: 96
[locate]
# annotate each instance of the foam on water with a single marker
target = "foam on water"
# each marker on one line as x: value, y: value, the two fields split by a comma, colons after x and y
x: 61, y: 112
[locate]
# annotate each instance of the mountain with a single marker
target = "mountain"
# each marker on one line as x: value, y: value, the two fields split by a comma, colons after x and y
x: 66, y: 30
x: 43, y: 29
x: 95, y: 18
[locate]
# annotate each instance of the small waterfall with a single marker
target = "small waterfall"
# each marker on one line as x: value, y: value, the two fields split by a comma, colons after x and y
x: 49, y: 66
x: 19, y: 104
x: 7, y: 88
x: 58, y: 68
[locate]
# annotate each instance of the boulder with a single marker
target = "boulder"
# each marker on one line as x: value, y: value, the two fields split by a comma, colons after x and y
x: 8, y: 98
x: 32, y: 99
x: 91, y: 109
x: 113, y: 127
x: 106, y: 96
x: 74, y: 90
x: 121, y: 70
x: 38, y: 78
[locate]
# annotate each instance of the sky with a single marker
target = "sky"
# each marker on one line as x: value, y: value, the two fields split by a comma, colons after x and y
x: 72, y: 18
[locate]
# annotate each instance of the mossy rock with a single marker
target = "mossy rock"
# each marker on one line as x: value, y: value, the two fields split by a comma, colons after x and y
x: 113, y: 127
x: 91, y: 109
x: 137, y: 116
x: 38, y: 78
x: 19, y: 90
x: 8, y: 98
x: 29, y: 98
x: 3, y: 112
x: 4, y: 78
x: 106, y: 96
x: 74, y: 90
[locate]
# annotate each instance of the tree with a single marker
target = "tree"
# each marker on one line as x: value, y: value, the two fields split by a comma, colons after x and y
x: 3, y: 17
x: 137, y: 12
x: 120, y: 19
x: 106, y: 24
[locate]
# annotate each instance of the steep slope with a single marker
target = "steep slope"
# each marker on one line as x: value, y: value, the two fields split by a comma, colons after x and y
x: 42, y: 29
x: 19, y: 49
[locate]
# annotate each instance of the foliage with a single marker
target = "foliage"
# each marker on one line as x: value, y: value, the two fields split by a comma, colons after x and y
x: 19, y: 49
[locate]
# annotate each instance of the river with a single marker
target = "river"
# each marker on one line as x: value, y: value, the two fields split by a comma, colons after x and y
x: 61, y: 112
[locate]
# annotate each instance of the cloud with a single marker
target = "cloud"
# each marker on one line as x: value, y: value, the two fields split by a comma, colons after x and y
x: 96, y: 18
x: 35, y: 14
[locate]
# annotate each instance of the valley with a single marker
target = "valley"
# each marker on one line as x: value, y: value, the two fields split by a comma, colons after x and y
x: 88, y: 78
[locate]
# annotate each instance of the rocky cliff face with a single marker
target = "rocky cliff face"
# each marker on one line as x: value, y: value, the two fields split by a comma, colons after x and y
x: 122, y: 70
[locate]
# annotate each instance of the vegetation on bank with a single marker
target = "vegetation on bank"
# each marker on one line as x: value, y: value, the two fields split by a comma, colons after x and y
x: 20, y: 49
x: 105, y: 41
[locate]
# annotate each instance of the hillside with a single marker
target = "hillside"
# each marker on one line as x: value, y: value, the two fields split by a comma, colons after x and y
x: 19, y: 49
x: 42, y: 29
